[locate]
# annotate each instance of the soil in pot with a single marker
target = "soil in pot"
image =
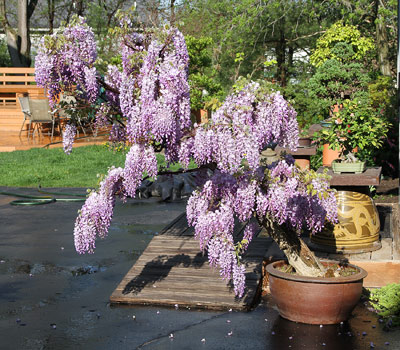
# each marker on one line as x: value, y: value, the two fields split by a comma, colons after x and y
x: 315, y: 300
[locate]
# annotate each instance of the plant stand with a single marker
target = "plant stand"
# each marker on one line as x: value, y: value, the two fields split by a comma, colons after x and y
x: 301, y: 156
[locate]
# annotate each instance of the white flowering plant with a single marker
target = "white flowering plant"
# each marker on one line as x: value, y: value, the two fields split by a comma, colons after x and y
x: 148, y: 101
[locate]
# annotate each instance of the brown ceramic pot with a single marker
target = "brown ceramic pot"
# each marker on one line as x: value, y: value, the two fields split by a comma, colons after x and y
x: 315, y: 300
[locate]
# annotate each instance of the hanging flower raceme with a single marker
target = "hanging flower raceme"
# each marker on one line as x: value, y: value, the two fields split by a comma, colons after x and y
x: 95, y: 216
x: 164, y: 110
x: 68, y: 138
x: 67, y: 60
x: 241, y: 128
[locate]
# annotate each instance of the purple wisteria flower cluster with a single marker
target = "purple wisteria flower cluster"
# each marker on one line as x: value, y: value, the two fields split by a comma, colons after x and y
x: 148, y: 104
x: 284, y: 193
x: 241, y: 128
x: 65, y: 61
x: 68, y: 137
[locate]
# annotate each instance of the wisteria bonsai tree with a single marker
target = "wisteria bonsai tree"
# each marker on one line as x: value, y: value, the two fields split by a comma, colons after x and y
x: 147, y: 102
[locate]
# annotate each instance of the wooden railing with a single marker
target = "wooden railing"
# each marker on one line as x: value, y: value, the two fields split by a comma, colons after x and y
x: 16, y: 81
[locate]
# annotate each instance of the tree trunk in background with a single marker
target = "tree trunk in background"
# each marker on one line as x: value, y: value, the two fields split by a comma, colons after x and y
x: 281, y: 55
x: 79, y: 8
x: 172, y: 7
x: 50, y: 14
x: 382, y: 43
x: 24, y: 40
x: 19, y: 42
x: 11, y: 36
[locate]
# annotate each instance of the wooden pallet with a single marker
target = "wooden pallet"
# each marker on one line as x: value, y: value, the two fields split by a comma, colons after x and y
x: 173, y: 272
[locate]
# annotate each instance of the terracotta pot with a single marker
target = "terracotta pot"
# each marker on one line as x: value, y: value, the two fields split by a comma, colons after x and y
x: 201, y: 116
x: 315, y: 300
x: 303, y: 163
x: 329, y: 155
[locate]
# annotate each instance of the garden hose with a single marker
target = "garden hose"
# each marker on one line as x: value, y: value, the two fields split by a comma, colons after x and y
x: 39, y: 200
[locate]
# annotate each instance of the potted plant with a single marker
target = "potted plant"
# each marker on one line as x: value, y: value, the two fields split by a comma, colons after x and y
x: 356, y: 126
x: 340, y: 59
x: 152, y: 95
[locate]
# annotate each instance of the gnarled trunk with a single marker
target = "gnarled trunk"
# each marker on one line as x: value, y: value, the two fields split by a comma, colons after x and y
x: 299, y: 256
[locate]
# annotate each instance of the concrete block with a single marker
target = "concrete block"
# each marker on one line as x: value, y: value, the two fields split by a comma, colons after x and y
x: 385, y: 253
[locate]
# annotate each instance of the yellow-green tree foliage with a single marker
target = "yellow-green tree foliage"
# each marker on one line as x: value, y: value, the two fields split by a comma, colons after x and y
x: 341, y: 33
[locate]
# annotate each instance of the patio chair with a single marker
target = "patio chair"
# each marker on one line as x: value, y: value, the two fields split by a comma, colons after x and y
x: 24, y: 102
x: 40, y: 114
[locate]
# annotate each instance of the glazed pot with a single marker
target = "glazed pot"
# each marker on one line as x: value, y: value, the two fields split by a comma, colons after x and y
x: 357, y: 230
x: 315, y: 300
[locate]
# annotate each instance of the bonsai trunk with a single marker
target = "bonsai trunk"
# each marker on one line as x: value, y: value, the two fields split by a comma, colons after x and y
x: 299, y: 256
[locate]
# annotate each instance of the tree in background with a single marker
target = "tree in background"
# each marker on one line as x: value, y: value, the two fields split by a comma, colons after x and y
x: 341, y: 57
x: 255, y: 29
x: 19, y: 41
x: 361, y: 46
x: 204, y: 90
x: 379, y: 19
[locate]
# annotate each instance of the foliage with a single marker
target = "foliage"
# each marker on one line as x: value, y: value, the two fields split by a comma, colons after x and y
x: 379, y: 92
x: 356, y: 125
x: 256, y: 29
x: 382, y: 95
x: 310, y: 110
x: 386, y: 302
x: 339, y: 33
x: 378, y: 20
x: 203, y: 87
x: 338, y: 78
x: 148, y: 99
x: 5, y: 60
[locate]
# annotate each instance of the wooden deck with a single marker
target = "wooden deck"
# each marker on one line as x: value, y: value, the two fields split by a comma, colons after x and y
x: 173, y: 272
x: 11, y: 141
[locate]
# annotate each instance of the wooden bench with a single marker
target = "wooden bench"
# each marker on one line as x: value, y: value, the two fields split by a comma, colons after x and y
x: 370, y: 177
x: 15, y: 82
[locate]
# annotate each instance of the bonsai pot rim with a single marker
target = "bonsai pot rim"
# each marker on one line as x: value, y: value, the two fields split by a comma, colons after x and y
x: 361, y: 274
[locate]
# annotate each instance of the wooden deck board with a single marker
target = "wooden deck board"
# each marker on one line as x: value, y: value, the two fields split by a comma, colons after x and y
x: 173, y: 271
